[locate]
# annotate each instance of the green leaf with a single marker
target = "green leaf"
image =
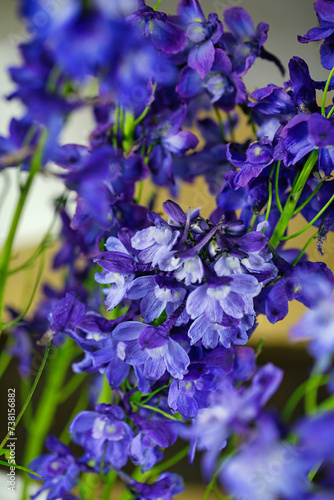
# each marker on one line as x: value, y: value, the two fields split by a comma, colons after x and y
x: 25, y: 469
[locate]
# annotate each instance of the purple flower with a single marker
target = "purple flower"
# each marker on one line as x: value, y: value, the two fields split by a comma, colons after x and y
x: 202, y: 35
x: 166, y: 36
x: 154, y: 242
x: 243, y: 43
x: 157, y: 293
x: 164, y: 488
x: 258, y: 156
x: 58, y: 469
x: 325, y: 14
x: 121, y: 278
x: 267, y: 468
x: 224, y: 87
x: 145, y: 448
x: 103, y: 434
x: 317, y: 327
x: 308, y: 282
x: 151, y: 346
x: 231, y: 409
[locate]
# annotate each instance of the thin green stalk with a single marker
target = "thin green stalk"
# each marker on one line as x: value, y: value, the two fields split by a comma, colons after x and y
x: 305, y: 247
x: 323, y: 101
x: 326, y: 405
x: 299, y: 393
x: 331, y: 112
x: 292, y: 200
x: 30, y: 395
x: 313, y: 471
x: 150, y: 396
x: 170, y: 417
x: 252, y: 223
x: 109, y: 485
x: 7, y: 249
x: 48, y: 403
x: 5, y: 359
x: 278, y: 201
x: 156, y: 5
x: 220, y: 122
x: 270, y: 195
x: 31, y: 299
x: 72, y: 386
x: 140, y: 192
x: 212, y: 483
x: 146, y: 110
x: 25, y: 386
x: 311, y: 222
x: 311, y: 393
x: 44, y: 244
x: 80, y: 406
x: 308, y: 199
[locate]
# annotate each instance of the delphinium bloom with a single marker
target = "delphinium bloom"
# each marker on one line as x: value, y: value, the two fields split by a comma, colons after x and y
x: 325, y: 14
x: 59, y: 470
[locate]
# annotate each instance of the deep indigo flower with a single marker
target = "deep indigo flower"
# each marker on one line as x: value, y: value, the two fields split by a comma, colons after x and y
x: 156, y: 26
x: 267, y: 468
x: 259, y: 155
x: 224, y: 87
x: 58, y: 469
x: 325, y: 14
x: 243, y: 43
x: 103, y: 434
x: 141, y: 344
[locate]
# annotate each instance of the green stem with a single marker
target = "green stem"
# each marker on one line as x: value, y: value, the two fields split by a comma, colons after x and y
x: 270, y: 196
x: 170, y: 417
x: 146, y: 110
x: 311, y: 222
x: 5, y: 359
x: 72, y: 386
x: 311, y: 393
x: 140, y: 192
x: 299, y: 393
x: 308, y: 199
x: 278, y: 201
x: 212, y: 483
x: 45, y: 413
x: 305, y: 247
x: 25, y: 386
x: 30, y: 395
x: 331, y: 112
x: 80, y: 406
x: 31, y: 299
x: 252, y: 223
x: 323, y: 101
x: 293, y: 198
x: 109, y: 485
x: 156, y: 5
x: 7, y: 249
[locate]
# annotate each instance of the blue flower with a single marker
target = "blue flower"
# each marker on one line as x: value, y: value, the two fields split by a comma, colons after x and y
x: 325, y: 14
x: 103, y: 434
x: 58, y: 469
x: 152, y: 347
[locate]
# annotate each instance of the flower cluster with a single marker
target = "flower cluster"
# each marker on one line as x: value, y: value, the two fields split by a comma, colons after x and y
x: 156, y: 309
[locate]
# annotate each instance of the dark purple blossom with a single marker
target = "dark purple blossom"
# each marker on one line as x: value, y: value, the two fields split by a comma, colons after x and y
x: 325, y: 14
x: 59, y: 470
x: 103, y: 434
x: 242, y: 42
